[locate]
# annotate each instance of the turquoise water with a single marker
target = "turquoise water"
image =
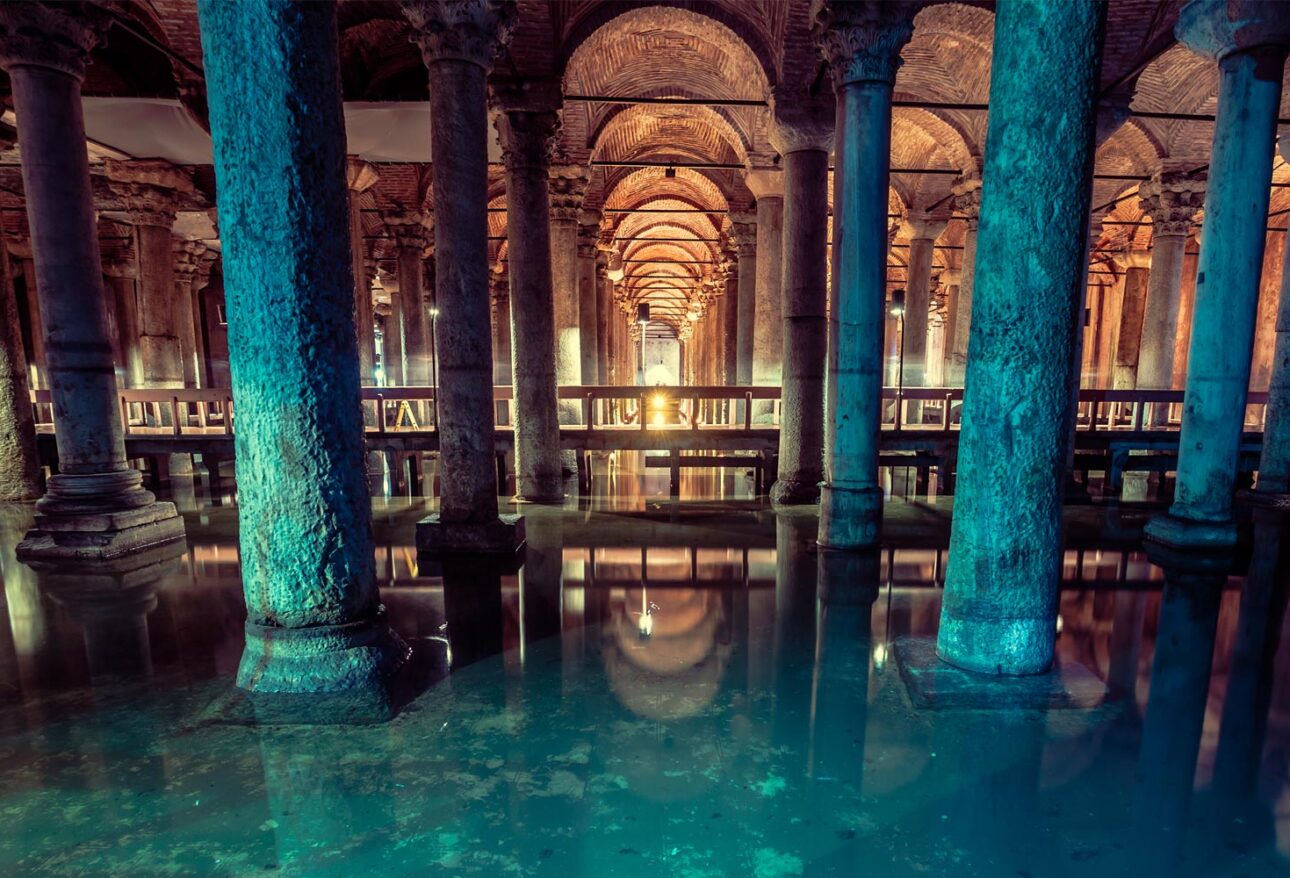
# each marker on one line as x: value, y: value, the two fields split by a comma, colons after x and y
x: 660, y: 690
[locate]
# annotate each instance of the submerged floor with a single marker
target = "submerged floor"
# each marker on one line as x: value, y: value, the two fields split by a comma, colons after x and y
x: 657, y: 691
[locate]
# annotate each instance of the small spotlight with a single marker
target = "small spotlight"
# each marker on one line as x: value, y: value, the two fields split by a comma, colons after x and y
x: 434, y: 310
x: 658, y: 401
x: 693, y: 315
x: 669, y: 173
x: 642, y: 314
x: 897, y: 303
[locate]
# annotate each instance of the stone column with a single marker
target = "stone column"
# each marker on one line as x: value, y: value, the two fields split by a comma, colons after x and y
x: 359, y: 177
x: 568, y: 185
x: 1000, y: 608
x: 802, y: 132
x: 526, y: 125
x: 604, y: 302
x: 314, y: 619
x: 862, y: 43
x: 149, y: 190
x: 1171, y: 200
x: 411, y: 230
x: 95, y: 507
x: 25, y: 266
x: 949, y: 279
x: 499, y: 297
x: 967, y: 201
x: 768, y: 309
x: 744, y: 233
x: 1128, y: 341
x: 1273, y: 486
x: 1249, y: 39
x: 588, y: 231
x: 730, y: 320
x: 121, y: 272
x: 924, y: 230
x: 189, y: 264
x: 458, y: 44
x: 20, y: 475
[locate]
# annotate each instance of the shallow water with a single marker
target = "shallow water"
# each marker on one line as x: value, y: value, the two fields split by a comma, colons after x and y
x: 659, y: 690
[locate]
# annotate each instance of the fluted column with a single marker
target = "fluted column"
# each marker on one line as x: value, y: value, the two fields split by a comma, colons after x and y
x: 1128, y: 341
x: 314, y: 619
x: 744, y: 234
x: 359, y: 177
x: 924, y: 230
x: 1000, y: 607
x: 527, y: 124
x: 459, y: 42
x: 568, y: 185
x: 150, y: 190
x: 967, y: 201
x: 588, y: 335
x: 802, y: 132
x: 1171, y: 200
x: 1249, y: 39
x: 95, y: 507
x: 862, y: 43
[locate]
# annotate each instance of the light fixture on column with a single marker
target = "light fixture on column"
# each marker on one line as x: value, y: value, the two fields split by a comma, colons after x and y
x: 642, y: 313
x: 897, y: 308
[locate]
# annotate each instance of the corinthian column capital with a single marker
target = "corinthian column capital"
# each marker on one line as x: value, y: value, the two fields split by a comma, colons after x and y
x: 862, y: 40
x: 1218, y: 28
x: 149, y: 190
x: 58, y: 36
x: 1172, y: 200
x: 474, y: 31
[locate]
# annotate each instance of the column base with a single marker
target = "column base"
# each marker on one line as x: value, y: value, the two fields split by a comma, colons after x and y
x: 1186, y: 533
x: 795, y: 492
x: 999, y: 647
x: 503, y: 535
x: 100, y: 536
x: 850, y: 518
x: 933, y: 684
x: 327, y: 673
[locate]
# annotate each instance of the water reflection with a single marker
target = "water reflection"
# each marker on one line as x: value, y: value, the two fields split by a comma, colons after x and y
x: 672, y: 692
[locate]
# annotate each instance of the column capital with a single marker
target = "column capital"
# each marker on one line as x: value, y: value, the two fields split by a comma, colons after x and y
x: 801, y: 122
x: 967, y: 198
x: 743, y: 231
x: 58, y: 36
x: 925, y: 225
x: 360, y: 175
x: 951, y: 277
x: 1218, y: 28
x: 567, y: 186
x: 1172, y: 200
x: 765, y: 182
x: 588, y: 232
x: 862, y: 41
x: 193, y: 262
x: 473, y: 31
x: 410, y: 229
x: 1134, y: 257
x: 527, y: 138
x: 149, y: 190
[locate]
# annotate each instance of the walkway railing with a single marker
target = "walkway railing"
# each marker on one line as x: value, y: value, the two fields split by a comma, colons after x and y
x: 211, y: 412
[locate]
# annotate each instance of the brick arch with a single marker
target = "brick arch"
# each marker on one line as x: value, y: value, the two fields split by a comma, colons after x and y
x: 702, y: 131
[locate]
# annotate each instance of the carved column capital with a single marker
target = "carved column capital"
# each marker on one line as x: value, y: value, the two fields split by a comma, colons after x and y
x: 149, y: 190
x: 474, y: 31
x: 925, y: 225
x: 410, y: 229
x: 801, y: 122
x: 58, y: 36
x: 765, y: 182
x: 967, y: 198
x: 567, y: 187
x: 360, y: 175
x: 862, y: 41
x: 1218, y: 28
x: 743, y: 231
x: 527, y: 138
x: 1172, y: 200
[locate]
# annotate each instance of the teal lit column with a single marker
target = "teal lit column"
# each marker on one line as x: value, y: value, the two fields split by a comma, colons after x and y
x: 802, y: 133
x: 1000, y: 608
x: 861, y: 42
x: 1249, y: 39
x: 314, y: 619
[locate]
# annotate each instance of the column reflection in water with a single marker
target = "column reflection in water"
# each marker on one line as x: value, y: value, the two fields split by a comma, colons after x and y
x: 1179, y: 693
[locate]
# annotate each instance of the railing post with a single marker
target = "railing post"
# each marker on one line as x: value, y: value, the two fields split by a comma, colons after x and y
x: 694, y: 413
x: 174, y: 414
x: 747, y: 409
x: 228, y: 416
x: 588, y: 411
x: 125, y: 414
x: 641, y: 410
x: 380, y: 413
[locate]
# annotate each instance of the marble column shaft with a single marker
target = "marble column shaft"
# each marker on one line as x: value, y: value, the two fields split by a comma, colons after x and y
x: 730, y: 327
x: 1000, y: 606
x: 567, y: 186
x: 1128, y: 342
x: 526, y: 142
x: 862, y: 43
x: 361, y: 176
x: 1274, y: 462
x: 315, y: 623
x: 604, y: 302
x: 804, y: 142
x: 745, y: 240
x: 1231, y: 257
x: 457, y: 59
x: 967, y: 200
x: 918, y: 297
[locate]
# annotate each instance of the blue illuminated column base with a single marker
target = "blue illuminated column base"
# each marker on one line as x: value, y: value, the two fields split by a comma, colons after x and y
x: 1002, y: 647
x: 355, y: 662
x: 850, y: 518
x: 1187, y: 533
x: 503, y: 535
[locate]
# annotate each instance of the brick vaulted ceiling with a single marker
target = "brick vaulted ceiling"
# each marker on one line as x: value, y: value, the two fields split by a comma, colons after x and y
x: 716, y: 49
